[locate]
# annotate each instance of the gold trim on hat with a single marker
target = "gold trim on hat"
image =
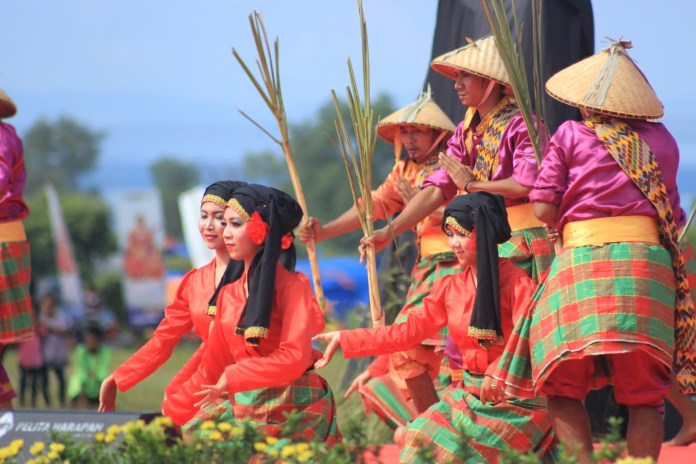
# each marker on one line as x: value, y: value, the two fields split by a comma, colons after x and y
x: 453, y: 223
x: 608, y: 82
x: 209, y: 197
x: 480, y: 57
x: 235, y: 205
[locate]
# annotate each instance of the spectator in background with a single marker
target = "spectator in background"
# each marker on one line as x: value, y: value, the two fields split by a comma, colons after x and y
x: 97, y: 314
x: 90, y: 366
x: 31, y: 370
x: 54, y: 329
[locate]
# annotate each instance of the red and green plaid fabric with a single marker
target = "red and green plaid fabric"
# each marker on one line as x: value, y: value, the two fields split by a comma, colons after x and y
x: 595, y: 300
x: 530, y: 250
x: 638, y: 161
x: 383, y: 396
x: 15, y: 300
x: 493, y: 126
x: 523, y: 425
x: 425, y: 273
x: 6, y: 390
x: 310, y: 396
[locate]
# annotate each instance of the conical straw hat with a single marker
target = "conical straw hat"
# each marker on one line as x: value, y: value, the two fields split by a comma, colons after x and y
x: 7, y: 106
x: 423, y: 112
x: 480, y: 57
x: 608, y: 82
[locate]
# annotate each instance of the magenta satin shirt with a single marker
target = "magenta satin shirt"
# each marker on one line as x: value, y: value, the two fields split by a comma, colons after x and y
x: 13, y: 175
x: 515, y: 158
x: 580, y: 176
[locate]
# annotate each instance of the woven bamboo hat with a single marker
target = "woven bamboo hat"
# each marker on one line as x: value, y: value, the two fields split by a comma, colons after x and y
x: 7, y: 106
x: 423, y: 112
x: 608, y: 82
x: 480, y: 57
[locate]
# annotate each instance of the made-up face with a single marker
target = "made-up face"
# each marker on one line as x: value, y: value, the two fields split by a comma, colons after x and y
x: 211, y: 224
x: 464, y: 246
x: 417, y: 141
x: 470, y: 88
x: 237, y: 242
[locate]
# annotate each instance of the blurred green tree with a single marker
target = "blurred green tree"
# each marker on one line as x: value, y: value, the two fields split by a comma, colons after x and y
x: 173, y: 176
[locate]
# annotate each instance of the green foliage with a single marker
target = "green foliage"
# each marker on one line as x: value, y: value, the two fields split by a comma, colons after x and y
x: 321, y: 168
x: 172, y: 176
x: 58, y: 153
x: 87, y: 219
x: 110, y: 286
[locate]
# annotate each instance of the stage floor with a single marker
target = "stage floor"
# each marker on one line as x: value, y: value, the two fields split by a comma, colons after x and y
x: 668, y: 455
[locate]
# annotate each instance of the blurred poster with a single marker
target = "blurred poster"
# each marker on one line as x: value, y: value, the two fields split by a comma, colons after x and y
x: 189, y: 209
x: 68, y: 275
x: 140, y: 231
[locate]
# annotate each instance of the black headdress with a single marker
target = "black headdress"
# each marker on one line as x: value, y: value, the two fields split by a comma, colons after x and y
x: 271, y: 216
x: 220, y: 193
x: 485, y: 214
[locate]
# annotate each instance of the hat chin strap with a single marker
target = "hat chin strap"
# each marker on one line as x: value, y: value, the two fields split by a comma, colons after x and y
x: 436, y: 143
x: 486, y: 94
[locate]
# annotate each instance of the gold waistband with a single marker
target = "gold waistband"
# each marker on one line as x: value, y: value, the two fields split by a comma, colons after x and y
x: 12, y: 231
x: 522, y: 217
x: 600, y: 231
x: 429, y: 245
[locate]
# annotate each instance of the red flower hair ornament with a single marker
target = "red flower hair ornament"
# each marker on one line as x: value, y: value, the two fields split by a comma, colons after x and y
x: 286, y: 241
x: 257, y: 229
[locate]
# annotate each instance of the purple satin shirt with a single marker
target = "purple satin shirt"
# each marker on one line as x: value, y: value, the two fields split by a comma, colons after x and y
x: 13, y: 175
x: 515, y: 158
x: 580, y: 176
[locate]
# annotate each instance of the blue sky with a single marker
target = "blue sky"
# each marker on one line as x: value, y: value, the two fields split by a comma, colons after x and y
x: 159, y: 77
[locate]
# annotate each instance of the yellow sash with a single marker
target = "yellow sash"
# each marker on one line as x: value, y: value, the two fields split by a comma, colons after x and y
x: 522, y: 217
x: 12, y: 231
x: 598, y: 232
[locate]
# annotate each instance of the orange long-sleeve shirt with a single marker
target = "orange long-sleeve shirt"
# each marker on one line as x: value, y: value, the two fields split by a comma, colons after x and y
x: 187, y: 312
x: 449, y: 304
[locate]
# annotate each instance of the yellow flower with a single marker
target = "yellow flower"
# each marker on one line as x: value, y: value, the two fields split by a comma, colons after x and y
x: 164, y: 421
x: 113, y: 430
x: 52, y: 455
x: 57, y: 447
x: 207, y: 425
x: 139, y: 424
x: 237, y: 432
x: 287, y: 451
x: 305, y: 456
x: 302, y: 447
x: 271, y: 440
x: 37, y: 448
x: 272, y: 453
x: 631, y: 460
x: 67, y: 461
x: 260, y: 447
x: 224, y: 426
x: 109, y: 438
x: 18, y: 443
x: 216, y: 436
x: 99, y: 436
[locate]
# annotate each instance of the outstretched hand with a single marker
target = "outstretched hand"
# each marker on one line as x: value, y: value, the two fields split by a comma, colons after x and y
x: 379, y: 239
x: 459, y: 173
x: 211, y: 393
x: 107, y: 394
x: 333, y: 342
x: 311, y: 229
x: 358, y: 383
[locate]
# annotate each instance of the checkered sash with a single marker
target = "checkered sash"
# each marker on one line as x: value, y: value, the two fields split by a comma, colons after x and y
x: 493, y: 125
x: 15, y: 301
x: 638, y: 161
x: 523, y: 425
x: 310, y: 396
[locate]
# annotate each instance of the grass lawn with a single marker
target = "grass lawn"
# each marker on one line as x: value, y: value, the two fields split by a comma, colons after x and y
x: 147, y: 396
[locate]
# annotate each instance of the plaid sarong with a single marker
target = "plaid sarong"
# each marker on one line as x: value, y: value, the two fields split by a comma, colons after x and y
x: 530, y: 250
x: 595, y: 300
x: 15, y: 300
x: 310, y: 396
x: 6, y: 390
x: 425, y: 273
x: 520, y: 424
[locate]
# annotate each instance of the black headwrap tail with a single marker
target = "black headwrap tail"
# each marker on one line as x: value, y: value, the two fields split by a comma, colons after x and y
x: 233, y: 271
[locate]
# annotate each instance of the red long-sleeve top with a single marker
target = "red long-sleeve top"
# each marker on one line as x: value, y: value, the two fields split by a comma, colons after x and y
x: 449, y: 304
x: 281, y: 358
x: 187, y: 312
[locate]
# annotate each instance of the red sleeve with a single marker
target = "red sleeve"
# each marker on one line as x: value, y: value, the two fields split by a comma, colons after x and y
x: 379, y: 366
x: 176, y: 323
x: 186, y: 372
x: 293, y: 356
x: 420, y: 324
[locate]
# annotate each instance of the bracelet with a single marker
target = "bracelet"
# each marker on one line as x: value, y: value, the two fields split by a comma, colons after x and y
x: 466, y: 186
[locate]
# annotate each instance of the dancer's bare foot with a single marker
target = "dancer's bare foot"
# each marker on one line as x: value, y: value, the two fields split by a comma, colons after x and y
x: 685, y: 436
